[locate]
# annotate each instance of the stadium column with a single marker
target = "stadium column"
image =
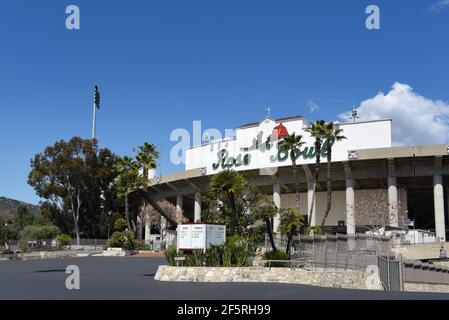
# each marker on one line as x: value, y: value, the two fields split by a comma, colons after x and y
x: 350, y: 207
x: 310, y: 192
x: 147, y: 230
x: 438, y: 198
x: 393, y: 209
x: 179, y: 206
x: 197, y: 210
x: 277, y: 203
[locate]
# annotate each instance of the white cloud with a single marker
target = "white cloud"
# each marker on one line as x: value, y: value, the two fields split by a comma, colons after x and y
x: 313, y: 106
x: 439, y: 5
x: 416, y: 119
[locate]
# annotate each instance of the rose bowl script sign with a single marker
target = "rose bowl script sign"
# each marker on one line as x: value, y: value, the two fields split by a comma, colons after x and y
x: 200, y: 236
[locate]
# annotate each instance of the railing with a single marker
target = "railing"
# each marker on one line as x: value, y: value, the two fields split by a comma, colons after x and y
x: 337, y: 251
x: 390, y: 273
x: 313, y: 265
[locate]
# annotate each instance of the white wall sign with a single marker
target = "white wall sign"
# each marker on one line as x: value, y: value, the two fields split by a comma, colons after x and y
x: 255, y: 147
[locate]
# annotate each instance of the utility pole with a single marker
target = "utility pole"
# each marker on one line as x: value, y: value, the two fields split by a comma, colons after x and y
x: 96, y: 106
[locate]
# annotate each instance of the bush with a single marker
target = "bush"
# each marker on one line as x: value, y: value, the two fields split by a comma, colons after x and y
x: 277, y: 255
x: 313, y: 230
x: 214, y: 256
x: 63, y: 239
x: 123, y: 239
x: 196, y: 259
x: 238, y: 252
x: 120, y: 224
x: 39, y: 232
x: 170, y: 254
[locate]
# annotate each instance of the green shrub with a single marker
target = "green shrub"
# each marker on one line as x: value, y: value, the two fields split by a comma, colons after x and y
x: 238, y: 252
x: 313, y: 230
x: 196, y: 259
x: 170, y: 254
x: 123, y: 239
x: 277, y: 255
x: 120, y: 224
x: 63, y: 239
x: 214, y: 256
x: 39, y: 232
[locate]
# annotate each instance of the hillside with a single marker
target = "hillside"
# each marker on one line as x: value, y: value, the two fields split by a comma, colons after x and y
x: 8, y: 207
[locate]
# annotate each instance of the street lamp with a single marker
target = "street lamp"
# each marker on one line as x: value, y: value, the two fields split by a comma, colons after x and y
x: 6, y: 235
x: 109, y: 221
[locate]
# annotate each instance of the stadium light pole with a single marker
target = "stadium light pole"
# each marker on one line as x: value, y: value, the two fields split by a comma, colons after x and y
x: 96, y: 106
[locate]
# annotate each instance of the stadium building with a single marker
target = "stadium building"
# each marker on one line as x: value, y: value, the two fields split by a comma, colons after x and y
x: 370, y: 177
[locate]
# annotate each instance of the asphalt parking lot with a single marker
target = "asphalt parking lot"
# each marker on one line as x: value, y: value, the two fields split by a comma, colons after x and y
x: 133, y: 278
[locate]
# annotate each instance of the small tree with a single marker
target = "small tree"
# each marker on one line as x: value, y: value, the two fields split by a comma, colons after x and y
x: 39, y: 232
x: 290, y: 224
x: 156, y: 219
x: 230, y: 184
x: 22, y: 218
x: 265, y: 212
x: 372, y: 211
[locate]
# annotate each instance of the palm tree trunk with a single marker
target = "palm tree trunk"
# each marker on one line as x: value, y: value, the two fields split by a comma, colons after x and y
x: 329, y: 185
x: 270, y: 234
x: 295, y: 175
x: 289, y: 240
x: 234, y: 213
x: 127, y: 211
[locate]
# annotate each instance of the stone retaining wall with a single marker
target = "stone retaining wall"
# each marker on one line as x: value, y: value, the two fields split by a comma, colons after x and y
x: 324, y: 278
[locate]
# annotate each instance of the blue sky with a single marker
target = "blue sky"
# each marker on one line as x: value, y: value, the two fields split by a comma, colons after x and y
x: 162, y: 64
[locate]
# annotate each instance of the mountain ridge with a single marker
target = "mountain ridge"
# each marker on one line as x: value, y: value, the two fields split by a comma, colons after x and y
x: 8, y: 207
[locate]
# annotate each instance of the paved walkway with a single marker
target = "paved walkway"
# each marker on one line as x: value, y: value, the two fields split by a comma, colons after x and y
x: 133, y: 278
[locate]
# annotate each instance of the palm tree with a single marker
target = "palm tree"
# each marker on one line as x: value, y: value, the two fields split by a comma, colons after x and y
x: 291, y: 222
x: 229, y: 183
x: 146, y: 158
x: 292, y: 143
x: 128, y: 180
x: 331, y: 134
x: 266, y: 211
x: 317, y: 132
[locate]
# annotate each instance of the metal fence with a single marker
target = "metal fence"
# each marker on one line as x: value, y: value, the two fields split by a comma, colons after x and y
x: 391, y: 273
x: 53, y: 245
x: 336, y: 251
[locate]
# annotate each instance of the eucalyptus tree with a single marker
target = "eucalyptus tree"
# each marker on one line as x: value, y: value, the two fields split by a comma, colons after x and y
x: 70, y: 177
x: 332, y: 134
x: 292, y: 143
x: 316, y: 130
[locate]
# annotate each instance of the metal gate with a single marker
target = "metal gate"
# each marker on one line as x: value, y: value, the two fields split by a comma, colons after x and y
x: 390, y: 273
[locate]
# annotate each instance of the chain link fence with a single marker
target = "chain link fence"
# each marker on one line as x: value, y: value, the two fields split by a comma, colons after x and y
x: 336, y: 251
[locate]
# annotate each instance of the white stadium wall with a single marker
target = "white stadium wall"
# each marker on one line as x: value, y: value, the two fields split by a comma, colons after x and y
x: 360, y: 135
